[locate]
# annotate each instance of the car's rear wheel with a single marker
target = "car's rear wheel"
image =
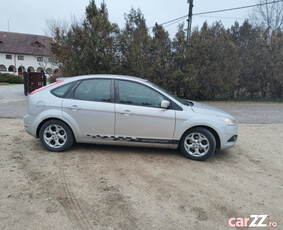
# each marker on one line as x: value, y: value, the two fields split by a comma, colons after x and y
x: 198, y: 144
x: 56, y: 136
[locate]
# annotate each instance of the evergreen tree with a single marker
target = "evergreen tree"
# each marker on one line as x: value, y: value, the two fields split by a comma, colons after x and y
x: 243, y: 62
x: 178, y: 78
x: 216, y: 62
x: 134, y: 45
x: 253, y: 49
x: 100, y: 38
x: 276, y: 65
x: 160, y: 57
x: 88, y: 48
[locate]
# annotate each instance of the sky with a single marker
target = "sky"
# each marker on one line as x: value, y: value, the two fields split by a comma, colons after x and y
x: 31, y: 16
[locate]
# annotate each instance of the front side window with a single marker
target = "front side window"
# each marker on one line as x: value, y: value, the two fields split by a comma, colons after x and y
x: 40, y: 59
x: 94, y: 90
x: 137, y: 94
x: 21, y: 57
x: 183, y: 101
x: 8, y: 56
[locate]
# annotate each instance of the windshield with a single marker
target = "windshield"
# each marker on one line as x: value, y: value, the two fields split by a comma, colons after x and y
x: 183, y: 101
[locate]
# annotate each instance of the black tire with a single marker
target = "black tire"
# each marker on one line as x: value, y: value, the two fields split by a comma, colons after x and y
x: 56, y: 136
x: 198, y: 144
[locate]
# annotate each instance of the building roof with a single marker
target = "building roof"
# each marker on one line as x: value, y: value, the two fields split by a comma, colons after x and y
x: 28, y: 44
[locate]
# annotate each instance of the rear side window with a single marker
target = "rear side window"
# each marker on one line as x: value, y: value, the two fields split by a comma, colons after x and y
x: 94, y: 90
x: 62, y: 90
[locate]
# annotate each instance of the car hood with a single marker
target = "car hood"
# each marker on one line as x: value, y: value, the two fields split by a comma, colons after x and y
x: 209, y: 110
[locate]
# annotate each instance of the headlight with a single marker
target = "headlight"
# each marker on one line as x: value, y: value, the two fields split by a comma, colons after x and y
x: 230, y: 121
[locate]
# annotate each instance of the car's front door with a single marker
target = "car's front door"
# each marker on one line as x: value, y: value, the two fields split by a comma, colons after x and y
x: 91, y: 109
x: 139, y: 116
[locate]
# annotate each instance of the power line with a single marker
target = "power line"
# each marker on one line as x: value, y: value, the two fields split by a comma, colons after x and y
x: 237, y: 8
x: 221, y: 17
x: 173, y: 21
x: 180, y: 20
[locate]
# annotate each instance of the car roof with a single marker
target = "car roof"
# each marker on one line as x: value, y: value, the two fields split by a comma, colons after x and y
x: 105, y: 76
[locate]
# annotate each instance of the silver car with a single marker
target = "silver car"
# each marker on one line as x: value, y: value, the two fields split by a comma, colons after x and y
x: 122, y: 110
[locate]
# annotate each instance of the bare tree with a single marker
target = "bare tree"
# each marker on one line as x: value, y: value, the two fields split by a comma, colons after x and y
x: 54, y: 25
x: 268, y: 15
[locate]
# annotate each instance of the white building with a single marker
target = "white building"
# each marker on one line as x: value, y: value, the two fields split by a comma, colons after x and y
x: 25, y: 52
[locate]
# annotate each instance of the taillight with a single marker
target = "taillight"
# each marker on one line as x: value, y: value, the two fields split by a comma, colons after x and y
x: 45, y: 87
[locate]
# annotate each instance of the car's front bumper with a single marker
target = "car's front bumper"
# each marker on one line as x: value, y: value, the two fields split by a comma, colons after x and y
x: 229, y: 136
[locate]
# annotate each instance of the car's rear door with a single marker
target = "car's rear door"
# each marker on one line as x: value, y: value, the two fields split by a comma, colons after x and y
x: 139, y: 116
x: 91, y: 109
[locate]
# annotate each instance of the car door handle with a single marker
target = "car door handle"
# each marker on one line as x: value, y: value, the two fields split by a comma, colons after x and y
x: 74, y: 107
x: 127, y: 113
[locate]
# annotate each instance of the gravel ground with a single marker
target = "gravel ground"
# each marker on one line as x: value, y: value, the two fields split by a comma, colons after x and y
x: 110, y: 187
x: 253, y: 113
x: 12, y: 101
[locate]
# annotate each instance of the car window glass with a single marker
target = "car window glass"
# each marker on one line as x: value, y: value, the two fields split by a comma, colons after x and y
x: 137, y: 94
x: 94, y: 90
x: 60, y: 91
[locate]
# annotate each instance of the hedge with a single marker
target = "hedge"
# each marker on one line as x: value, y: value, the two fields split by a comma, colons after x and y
x: 10, y: 78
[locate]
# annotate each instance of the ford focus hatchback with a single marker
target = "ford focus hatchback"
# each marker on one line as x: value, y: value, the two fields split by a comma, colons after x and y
x: 122, y: 110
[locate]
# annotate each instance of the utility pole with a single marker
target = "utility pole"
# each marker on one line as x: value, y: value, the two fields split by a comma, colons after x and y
x: 190, y: 18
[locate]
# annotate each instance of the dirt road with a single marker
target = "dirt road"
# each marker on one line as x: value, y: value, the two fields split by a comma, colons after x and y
x: 106, y: 187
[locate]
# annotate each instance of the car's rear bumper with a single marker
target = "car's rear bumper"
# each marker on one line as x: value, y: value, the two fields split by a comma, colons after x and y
x: 30, y: 124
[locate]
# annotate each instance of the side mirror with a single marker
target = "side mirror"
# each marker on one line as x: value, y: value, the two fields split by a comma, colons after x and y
x: 165, y: 104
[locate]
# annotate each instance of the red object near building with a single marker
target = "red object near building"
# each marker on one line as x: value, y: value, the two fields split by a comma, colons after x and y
x: 33, y: 81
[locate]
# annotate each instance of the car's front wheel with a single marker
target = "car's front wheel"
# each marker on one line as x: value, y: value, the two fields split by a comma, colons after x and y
x: 56, y: 136
x: 198, y: 144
